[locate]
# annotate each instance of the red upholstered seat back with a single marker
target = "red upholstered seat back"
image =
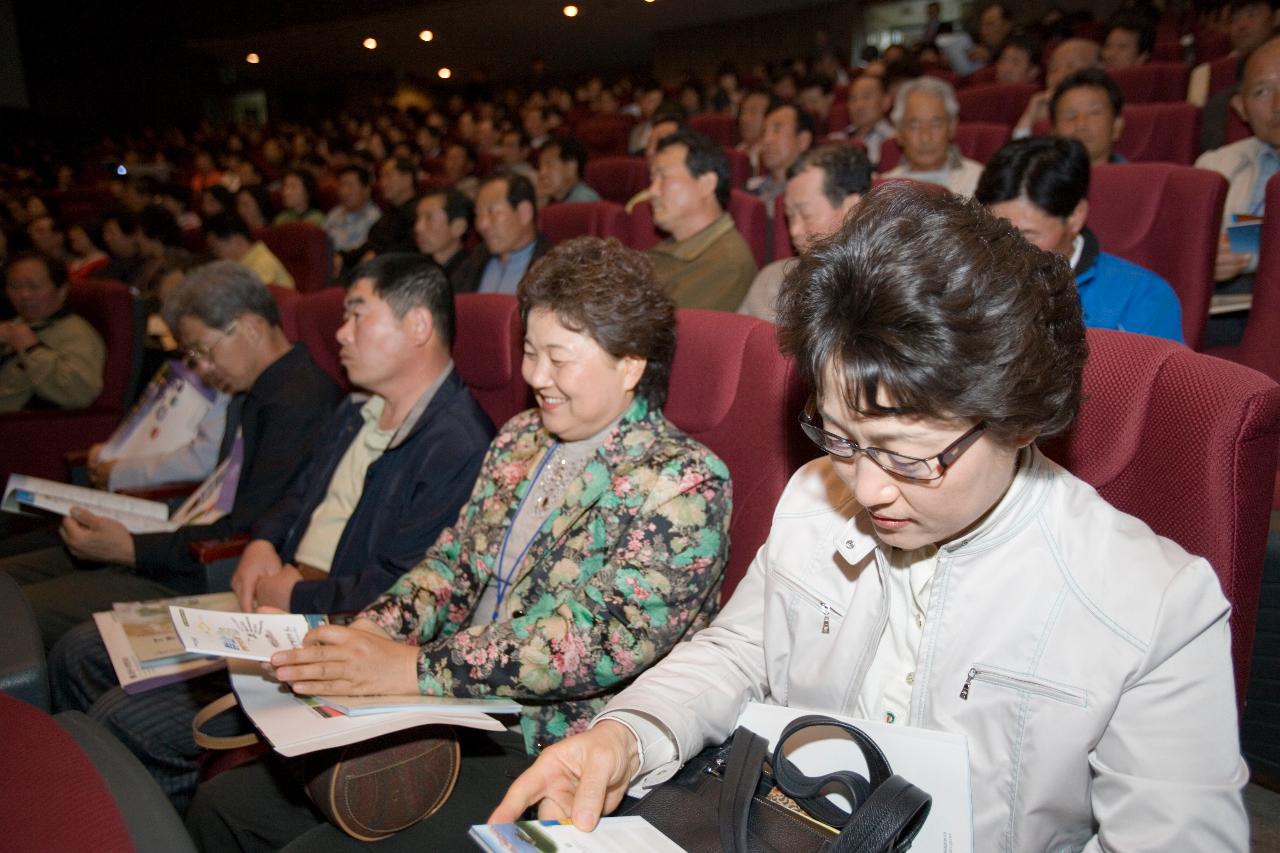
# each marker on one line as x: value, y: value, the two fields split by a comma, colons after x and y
x: 1167, y: 133
x: 287, y: 307
x: 984, y: 76
x: 616, y: 179
x: 644, y: 233
x: 56, y: 800
x: 1155, y: 81
x: 487, y: 353
x: 1166, y: 218
x: 81, y: 205
x: 782, y: 247
x: 606, y: 135
x: 108, y: 307
x: 752, y: 221
x: 1223, y: 73
x: 739, y: 167
x: 732, y: 390
x: 722, y: 129
x: 998, y: 103
x: 1188, y: 444
x: 319, y: 316
x: 304, y: 251
x: 597, y: 218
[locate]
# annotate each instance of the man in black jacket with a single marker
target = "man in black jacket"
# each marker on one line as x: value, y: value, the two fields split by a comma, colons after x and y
x: 229, y: 323
x: 507, y: 222
x: 389, y: 471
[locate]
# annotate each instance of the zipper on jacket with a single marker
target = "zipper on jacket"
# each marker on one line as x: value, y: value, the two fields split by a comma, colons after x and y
x: 1026, y: 683
x: 826, y: 617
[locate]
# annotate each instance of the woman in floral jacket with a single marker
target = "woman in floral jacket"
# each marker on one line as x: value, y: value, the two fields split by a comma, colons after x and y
x: 594, y: 540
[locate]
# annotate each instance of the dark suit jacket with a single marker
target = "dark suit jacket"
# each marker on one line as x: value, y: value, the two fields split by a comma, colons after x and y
x: 466, y: 278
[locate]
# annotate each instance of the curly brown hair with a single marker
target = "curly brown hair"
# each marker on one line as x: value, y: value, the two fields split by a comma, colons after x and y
x: 946, y: 307
x: 602, y: 289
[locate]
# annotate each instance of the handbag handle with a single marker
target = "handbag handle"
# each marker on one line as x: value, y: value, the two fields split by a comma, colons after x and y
x: 207, y: 741
x: 742, y: 774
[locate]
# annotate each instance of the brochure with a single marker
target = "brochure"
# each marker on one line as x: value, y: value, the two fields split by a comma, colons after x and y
x: 355, y: 706
x: 250, y: 636
x: 150, y: 630
x: 630, y: 834
x: 166, y: 416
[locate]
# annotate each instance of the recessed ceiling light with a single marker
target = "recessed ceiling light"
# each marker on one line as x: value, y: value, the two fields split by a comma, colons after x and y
x: 444, y: 73
x: 371, y: 43
x: 253, y: 59
x: 571, y: 11
x: 426, y: 35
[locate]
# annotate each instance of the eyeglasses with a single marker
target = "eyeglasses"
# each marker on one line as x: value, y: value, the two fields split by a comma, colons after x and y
x: 897, y: 464
x: 195, y: 354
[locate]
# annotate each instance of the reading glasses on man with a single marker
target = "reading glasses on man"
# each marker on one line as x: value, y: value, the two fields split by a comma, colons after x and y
x: 195, y: 354
x: 897, y: 464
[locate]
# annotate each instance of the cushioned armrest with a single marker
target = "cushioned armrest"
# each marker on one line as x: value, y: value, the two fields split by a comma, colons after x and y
x: 212, y: 550
x: 167, y: 492
x: 23, y: 672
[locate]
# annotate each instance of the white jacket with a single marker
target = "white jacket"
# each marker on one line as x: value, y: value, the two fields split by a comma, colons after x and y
x: 1093, y: 657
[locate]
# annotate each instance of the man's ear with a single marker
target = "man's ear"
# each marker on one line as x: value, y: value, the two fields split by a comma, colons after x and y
x: 1237, y: 104
x: 707, y: 183
x: 1077, y: 217
x: 525, y: 212
x: 419, y: 324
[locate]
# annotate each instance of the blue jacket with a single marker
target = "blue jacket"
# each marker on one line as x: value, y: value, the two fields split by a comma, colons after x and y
x: 411, y: 493
x: 1115, y: 294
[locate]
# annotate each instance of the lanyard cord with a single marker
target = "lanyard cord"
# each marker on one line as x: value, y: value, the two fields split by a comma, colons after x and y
x: 504, y: 583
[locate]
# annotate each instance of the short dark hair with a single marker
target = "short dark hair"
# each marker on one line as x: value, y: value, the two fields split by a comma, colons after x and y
x: 404, y: 166
x: 945, y: 307
x: 56, y: 269
x: 845, y: 170
x: 157, y: 223
x: 457, y: 205
x: 606, y: 291
x: 1024, y: 43
x: 519, y: 188
x: 361, y: 173
x: 568, y: 148
x: 308, y: 183
x: 1087, y: 77
x: 1051, y: 172
x: 226, y: 224
x: 670, y: 111
x: 222, y: 195
x: 261, y: 197
x: 805, y: 122
x: 405, y: 281
x: 1135, y: 23
x: 467, y: 148
x: 702, y: 156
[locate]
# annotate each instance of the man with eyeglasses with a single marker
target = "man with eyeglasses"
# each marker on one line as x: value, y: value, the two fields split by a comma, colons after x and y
x: 229, y: 325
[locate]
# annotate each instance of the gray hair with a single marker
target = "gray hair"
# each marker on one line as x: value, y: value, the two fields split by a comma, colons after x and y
x: 218, y: 293
x: 929, y: 85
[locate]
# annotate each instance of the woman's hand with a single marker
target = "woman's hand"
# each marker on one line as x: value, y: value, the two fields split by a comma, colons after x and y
x: 360, y: 660
x: 580, y: 778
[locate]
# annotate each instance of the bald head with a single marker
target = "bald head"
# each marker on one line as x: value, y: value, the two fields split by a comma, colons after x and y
x: 1069, y: 57
x: 1258, y: 100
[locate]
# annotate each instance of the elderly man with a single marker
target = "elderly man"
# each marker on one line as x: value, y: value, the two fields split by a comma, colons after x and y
x: 705, y: 263
x: 1067, y: 58
x: 390, y: 470
x: 788, y: 132
x: 560, y: 165
x: 506, y: 219
x: 49, y: 357
x: 868, y: 104
x: 1086, y: 106
x: 229, y: 323
x: 444, y: 217
x: 925, y: 114
x: 825, y: 184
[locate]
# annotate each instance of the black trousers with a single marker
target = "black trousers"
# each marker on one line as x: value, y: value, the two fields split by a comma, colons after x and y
x: 260, y: 806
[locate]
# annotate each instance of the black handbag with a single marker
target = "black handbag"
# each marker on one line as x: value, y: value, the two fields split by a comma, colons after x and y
x: 723, y: 800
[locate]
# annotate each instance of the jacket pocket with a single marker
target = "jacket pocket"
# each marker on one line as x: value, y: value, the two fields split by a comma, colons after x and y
x: 805, y: 605
x: 981, y: 673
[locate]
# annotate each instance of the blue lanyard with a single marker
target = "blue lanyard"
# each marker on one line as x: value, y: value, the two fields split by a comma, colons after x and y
x: 504, y: 583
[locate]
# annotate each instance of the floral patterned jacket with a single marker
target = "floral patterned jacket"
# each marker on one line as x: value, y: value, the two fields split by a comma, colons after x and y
x: 629, y: 565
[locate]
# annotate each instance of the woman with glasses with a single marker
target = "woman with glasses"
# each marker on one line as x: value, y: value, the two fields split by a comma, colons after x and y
x: 935, y: 570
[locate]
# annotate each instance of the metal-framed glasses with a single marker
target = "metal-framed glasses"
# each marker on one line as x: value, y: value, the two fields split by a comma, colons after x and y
x: 898, y: 464
x: 195, y: 354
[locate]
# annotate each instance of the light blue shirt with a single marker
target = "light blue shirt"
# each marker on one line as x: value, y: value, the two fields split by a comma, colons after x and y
x: 500, y: 277
x: 1268, y: 165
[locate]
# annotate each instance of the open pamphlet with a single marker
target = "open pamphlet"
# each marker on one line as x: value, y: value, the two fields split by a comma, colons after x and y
x: 937, y: 762
x: 166, y: 416
x: 249, y: 636
x: 296, y: 725
x: 35, y: 496
x: 629, y: 834
x: 143, y: 644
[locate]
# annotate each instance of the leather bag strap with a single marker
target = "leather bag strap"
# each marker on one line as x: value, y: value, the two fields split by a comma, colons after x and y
x: 741, y: 775
x: 207, y: 713
x: 888, y: 821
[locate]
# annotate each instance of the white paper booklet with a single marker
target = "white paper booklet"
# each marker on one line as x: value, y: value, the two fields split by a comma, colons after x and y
x: 355, y: 706
x: 166, y: 416
x: 936, y: 762
x: 296, y: 725
x: 629, y: 834
x: 250, y: 636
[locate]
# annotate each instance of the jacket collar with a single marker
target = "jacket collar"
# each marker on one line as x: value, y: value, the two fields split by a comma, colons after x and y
x: 690, y: 249
x: 1089, y: 255
x: 415, y: 420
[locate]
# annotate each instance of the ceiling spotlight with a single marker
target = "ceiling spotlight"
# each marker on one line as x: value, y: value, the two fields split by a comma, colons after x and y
x: 253, y: 59
x: 444, y: 73
x: 571, y: 11
x: 426, y: 35
x: 371, y: 43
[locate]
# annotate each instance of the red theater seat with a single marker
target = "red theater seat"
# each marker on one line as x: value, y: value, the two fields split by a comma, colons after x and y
x: 1187, y: 443
x: 305, y: 252
x: 606, y: 135
x: 319, y: 316
x: 739, y: 167
x: 782, y: 247
x: 597, y: 218
x: 1165, y: 218
x: 287, y: 307
x: 752, y: 221
x: 1153, y: 82
x: 616, y: 179
x: 998, y: 103
x: 722, y: 129
x: 488, y: 349
x: 1223, y: 73
x: 1166, y: 133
